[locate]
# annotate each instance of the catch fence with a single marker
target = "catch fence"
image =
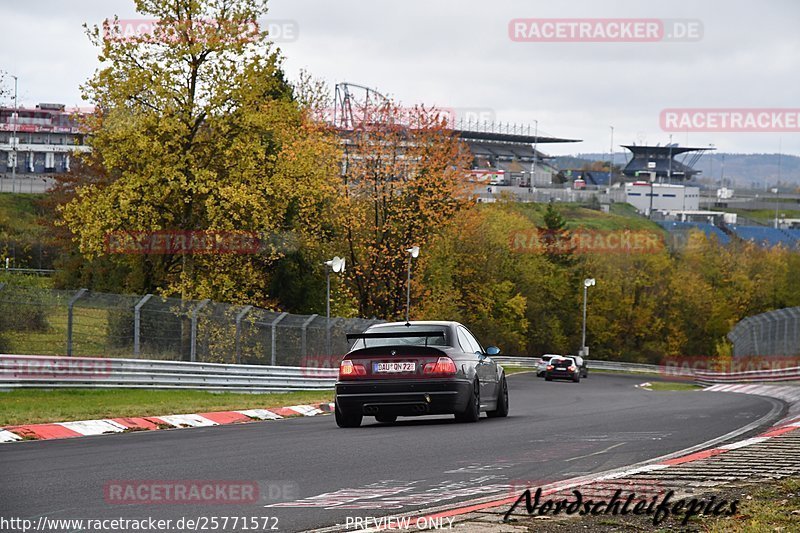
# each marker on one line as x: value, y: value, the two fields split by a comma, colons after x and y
x: 93, y: 324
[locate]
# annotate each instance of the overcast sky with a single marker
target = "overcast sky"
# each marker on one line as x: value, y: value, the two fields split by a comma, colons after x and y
x: 458, y: 54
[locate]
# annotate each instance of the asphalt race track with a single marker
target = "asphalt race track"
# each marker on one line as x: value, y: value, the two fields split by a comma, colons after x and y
x: 555, y: 430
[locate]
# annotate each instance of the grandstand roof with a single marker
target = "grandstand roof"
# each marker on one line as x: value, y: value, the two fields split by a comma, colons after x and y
x: 511, y: 137
x: 666, y: 166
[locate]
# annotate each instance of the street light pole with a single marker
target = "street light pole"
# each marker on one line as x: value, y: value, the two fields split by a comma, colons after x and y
x: 777, y: 204
x: 14, y: 140
x: 413, y: 253
x: 588, y: 282
x: 535, y: 143
x: 611, y: 165
x: 336, y: 265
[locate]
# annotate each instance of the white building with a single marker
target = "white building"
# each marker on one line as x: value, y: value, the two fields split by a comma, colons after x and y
x: 44, y: 137
x: 664, y: 197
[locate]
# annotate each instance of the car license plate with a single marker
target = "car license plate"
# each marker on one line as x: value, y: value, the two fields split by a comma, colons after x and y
x: 561, y: 368
x: 392, y: 368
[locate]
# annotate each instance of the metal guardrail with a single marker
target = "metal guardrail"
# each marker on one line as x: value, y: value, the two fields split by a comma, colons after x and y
x: 700, y: 377
x: 531, y: 362
x: 31, y: 371
x: 34, y: 371
x: 748, y: 376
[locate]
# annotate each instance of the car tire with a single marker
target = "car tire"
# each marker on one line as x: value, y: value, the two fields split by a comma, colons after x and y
x: 502, y: 401
x: 548, y: 378
x: 473, y: 410
x: 347, y: 420
x: 386, y: 419
x: 577, y: 379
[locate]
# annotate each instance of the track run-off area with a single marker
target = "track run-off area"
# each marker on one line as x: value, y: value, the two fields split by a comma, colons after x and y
x: 306, y: 473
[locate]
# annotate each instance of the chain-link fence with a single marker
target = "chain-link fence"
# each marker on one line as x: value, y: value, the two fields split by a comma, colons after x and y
x: 776, y: 333
x: 86, y: 323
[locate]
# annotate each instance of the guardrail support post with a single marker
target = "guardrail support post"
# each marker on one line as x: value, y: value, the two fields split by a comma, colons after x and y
x: 274, y: 326
x: 239, y: 317
x: 70, y: 305
x: 137, y: 322
x: 304, y: 330
x: 195, y: 312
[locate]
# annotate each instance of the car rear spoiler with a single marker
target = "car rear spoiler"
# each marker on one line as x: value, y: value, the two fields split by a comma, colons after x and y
x: 394, y: 335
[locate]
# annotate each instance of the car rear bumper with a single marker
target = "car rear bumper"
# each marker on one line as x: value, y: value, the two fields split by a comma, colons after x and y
x: 403, y: 398
x: 561, y: 374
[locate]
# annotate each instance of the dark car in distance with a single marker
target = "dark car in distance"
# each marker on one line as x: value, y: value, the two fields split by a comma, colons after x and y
x: 418, y: 368
x: 562, y: 368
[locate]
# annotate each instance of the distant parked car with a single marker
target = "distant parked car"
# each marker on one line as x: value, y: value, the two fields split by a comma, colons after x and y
x: 541, y: 366
x: 582, y: 365
x: 562, y: 368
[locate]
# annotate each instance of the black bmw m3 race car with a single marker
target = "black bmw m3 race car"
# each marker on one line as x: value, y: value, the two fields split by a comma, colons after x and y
x: 419, y: 368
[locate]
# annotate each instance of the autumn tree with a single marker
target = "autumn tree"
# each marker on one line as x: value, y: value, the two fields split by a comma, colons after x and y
x: 198, y: 131
x: 405, y: 176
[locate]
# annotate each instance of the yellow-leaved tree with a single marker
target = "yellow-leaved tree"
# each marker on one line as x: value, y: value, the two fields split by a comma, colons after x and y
x: 196, y: 130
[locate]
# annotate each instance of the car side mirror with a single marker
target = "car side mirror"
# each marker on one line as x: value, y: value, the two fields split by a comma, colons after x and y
x: 492, y: 350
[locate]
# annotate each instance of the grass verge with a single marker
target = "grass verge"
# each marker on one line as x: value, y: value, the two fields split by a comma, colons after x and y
x: 509, y: 370
x: 771, y: 507
x: 43, y: 406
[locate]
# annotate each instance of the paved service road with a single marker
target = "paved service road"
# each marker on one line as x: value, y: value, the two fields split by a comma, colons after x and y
x: 555, y: 430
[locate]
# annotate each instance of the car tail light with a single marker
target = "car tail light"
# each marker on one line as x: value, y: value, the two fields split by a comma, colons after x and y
x: 571, y: 369
x: 348, y: 369
x: 443, y: 367
x: 550, y: 367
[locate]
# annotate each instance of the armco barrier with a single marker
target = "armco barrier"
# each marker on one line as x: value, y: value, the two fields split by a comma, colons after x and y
x: 749, y: 376
x: 531, y: 362
x: 31, y: 371
x: 35, y: 371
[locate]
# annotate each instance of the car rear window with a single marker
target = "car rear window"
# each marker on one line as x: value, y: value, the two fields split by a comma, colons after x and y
x: 410, y: 340
x: 562, y: 362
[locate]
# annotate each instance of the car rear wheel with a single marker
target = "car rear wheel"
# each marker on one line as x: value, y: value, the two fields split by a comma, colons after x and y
x: 386, y: 419
x: 502, y: 402
x: 577, y: 378
x: 548, y: 378
x: 473, y: 410
x: 347, y: 420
